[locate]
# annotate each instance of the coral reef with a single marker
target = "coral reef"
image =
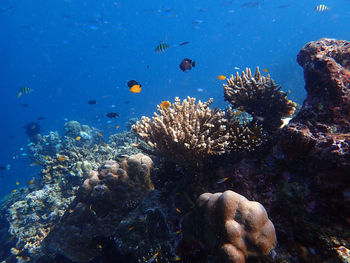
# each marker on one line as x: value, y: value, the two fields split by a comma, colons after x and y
x: 105, y: 197
x: 260, y: 97
x: 186, y: 131
x: 231, y: 226
x: 190, y: 131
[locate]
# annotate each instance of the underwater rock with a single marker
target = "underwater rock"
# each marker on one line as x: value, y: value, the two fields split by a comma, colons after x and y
x: 231, y: 226
x: 321, y: 129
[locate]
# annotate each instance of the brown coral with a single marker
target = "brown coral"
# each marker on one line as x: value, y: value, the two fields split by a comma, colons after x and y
x: 260, y: 97
x: 231, y: 226
x: 191, y: 131
x: 186, y: 131
x: 105, y: 197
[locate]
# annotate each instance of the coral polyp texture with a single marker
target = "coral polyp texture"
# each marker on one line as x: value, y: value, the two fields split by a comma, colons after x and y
x: 259, y: 96
x: 231, y: 226
x: 190, y: 131
x: 186, y: 131
x: 105, y: 197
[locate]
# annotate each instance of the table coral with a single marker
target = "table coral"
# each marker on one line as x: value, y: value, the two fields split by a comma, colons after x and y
x: 259, y: 96
x: 231, y: 226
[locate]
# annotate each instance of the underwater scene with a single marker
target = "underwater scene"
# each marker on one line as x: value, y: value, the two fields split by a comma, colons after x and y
x: 175, y: 131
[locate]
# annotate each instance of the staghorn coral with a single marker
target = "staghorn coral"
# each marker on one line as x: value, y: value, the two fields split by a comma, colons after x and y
x: 260, y: 97
x: 186, y: 131
x: 233, y: 227
x: 191, y: 131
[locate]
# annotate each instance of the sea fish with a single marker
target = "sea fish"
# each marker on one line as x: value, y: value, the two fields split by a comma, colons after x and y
x: 31, y: 182
x: 17, y: 183
x: 183, y: 43
x: 153, y: 257
x: 92, y: 102
x: 187, y: 64
x: 321, y: 8
x: 265, y: 70
x: 62, y: 158
x: 134, y: 86
x: 220, y: 181
x: 112, y: 115
x: 25, y: 105
x: 77, y: 138
x: 41, y: 118
x: 162, y: 47
x: 165, y: 104
x: 251, y: 4
x: 221, y: 77
x: 178, y: 210
x: 131, y: 228
x: 23, y: 90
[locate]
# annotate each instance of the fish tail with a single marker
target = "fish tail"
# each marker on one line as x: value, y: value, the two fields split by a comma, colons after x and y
x: 193, y: 63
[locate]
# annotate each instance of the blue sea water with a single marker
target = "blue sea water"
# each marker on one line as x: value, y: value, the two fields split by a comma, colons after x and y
x: 71, y: 51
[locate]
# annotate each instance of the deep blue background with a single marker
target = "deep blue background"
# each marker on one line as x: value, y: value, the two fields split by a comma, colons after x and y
x: 72, y: 51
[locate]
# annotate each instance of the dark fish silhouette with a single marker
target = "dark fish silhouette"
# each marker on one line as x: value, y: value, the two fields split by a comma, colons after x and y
x: 112, y: 115
x: 187, y: 64
x: 92, y: 102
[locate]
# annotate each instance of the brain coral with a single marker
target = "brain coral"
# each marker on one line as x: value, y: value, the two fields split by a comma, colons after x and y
x: 231, y: 226
x: 259, y: 96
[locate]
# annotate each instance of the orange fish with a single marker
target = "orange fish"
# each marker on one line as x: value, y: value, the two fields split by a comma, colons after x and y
x: 134, y: 86
x: 77, y: 138
x: 221, y: 77
x: 61, y: 158
x: 265, y: 70
x: 220, y: 181
x: 165, y: 104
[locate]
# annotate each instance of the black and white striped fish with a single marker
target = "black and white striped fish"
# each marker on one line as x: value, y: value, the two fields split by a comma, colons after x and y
x: 23, y: 90
x: 321, y: 8
x: 162, y: 47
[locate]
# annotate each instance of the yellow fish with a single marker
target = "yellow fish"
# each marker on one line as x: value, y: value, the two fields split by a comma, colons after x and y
x: 153, y: 257
x: 221, y: 77
x: 17, y: 183
x: 178, y: 210
x: 61, y: 158
x: 177, y: 258
x: 220, y: 181
x: 100, y: 134
x: 14, y: 191
x: 31, y: 182
x: 117, y: 127
x: 165, y: 104
x: 135, y: 89
x: 77, y: 138
x: 131, y: 228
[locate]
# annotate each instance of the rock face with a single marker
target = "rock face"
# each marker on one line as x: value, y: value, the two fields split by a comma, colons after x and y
x: 321, y: 130
x: 316, y: 143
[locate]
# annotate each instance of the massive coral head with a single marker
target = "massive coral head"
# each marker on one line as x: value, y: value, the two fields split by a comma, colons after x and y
x: 259, y: 96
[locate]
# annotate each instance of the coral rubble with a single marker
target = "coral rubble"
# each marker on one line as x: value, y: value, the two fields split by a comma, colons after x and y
x: 259, y: 96
x: 231, y: 226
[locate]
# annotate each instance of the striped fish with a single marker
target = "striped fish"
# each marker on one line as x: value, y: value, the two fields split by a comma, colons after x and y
x: 162, y: 47
x: 321, y: 8
x: 23, y: 90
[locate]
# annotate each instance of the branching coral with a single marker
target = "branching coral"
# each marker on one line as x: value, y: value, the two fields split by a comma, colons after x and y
x: 260, y: 97
x: 186, y: 131
x: 190, y: 131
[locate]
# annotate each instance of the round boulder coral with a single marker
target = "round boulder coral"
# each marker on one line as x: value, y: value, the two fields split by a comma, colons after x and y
x: 231, y: 226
